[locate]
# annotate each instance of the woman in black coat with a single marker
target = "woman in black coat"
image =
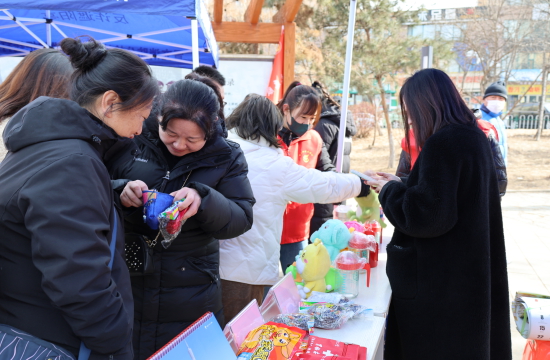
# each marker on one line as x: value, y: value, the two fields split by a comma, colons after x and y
x: 182, y: 153
x: 57, y: 212
x: 447, y: 258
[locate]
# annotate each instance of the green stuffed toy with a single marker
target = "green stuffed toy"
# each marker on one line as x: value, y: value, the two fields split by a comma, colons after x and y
x: 368, y: 209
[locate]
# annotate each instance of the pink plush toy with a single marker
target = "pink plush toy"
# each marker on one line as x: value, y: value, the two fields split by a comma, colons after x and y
x: 355, y: 226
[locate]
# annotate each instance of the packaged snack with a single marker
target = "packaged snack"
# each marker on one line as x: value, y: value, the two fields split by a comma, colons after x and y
x: 170, y: 223
x: 271, y: 341
x: 301, y: 321
x: 327, y: 347
x: 330, y: 316
x: 322, y: 357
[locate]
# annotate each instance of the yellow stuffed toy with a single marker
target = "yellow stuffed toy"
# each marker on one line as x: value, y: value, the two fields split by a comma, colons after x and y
x: 313, y: 264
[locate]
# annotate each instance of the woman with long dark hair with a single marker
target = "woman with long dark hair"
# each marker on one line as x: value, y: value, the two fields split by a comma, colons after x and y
x: 43, y: 72
x: 447, y: 258
x: 58, y: 217
x: 183, y: 153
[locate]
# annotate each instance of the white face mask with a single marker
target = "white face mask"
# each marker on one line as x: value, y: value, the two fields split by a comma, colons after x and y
x: 496, y: 106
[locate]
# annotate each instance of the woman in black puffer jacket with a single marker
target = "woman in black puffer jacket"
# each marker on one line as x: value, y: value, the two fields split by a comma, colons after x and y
x: 180, y: 144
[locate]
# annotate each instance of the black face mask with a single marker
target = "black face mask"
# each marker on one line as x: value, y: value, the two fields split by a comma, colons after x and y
x: 297, y: 128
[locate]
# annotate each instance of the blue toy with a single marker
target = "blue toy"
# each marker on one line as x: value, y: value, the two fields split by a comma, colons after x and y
x: 335, y: 236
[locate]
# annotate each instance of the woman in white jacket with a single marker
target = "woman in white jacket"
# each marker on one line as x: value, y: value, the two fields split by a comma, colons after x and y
x: 251, y: 261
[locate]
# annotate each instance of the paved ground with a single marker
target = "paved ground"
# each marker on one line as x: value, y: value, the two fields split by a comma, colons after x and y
x: 527, y: 229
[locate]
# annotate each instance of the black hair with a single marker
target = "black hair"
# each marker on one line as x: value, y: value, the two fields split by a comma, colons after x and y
x: 98, y: 70
x: 210, y: 72
x: 325, y: 96
x: 212, y: 85
x: 430, y: 99
x: 304, y: 97
x: 256, y: 117
x: 193, y: 101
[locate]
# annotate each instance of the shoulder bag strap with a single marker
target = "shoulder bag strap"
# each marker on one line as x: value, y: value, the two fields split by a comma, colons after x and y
x: 84, y: 353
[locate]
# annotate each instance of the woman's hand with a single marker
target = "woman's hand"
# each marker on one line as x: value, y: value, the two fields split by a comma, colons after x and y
x: 192, y: 201
x: 132, y: 194
x: 381, y: 179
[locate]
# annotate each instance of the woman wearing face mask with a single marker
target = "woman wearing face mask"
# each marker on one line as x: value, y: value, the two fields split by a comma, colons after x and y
x: 494, y: 102
x: 183, y: 154
x: 58, y: 217
x: 301, y: 109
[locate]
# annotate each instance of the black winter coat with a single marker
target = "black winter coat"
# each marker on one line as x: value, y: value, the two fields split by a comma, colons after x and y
x: 447, y: 258
x: 186, y: 282
x: 404, y: 166
x: 329, y: 128
x: 57, y: 220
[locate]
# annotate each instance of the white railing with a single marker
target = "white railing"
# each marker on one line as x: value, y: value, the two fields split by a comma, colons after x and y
x: 526, y: 122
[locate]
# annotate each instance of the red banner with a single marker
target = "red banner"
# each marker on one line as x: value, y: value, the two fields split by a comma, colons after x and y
x: 275, y: 85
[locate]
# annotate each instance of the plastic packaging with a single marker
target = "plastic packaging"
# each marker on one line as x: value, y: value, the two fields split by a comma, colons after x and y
x: 301, y: 321
x: 330, y: 316
x: 348, y: 264
x: 377, y: 229
x: 170, y: 223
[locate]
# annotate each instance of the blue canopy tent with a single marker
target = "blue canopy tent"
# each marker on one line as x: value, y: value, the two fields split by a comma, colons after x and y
x: 162, y: 32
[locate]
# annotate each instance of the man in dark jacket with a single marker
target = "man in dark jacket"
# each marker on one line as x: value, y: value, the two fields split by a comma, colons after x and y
x: 57, y: 221
x: 185, y: 283
x: 329, y: 128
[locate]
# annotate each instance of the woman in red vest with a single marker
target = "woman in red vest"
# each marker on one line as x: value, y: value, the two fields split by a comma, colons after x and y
x: 301, y: 109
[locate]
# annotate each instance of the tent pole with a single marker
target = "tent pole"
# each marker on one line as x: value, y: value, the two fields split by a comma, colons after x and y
x: 48, y: 29
x: 345, y: 90
x: 195, y: 42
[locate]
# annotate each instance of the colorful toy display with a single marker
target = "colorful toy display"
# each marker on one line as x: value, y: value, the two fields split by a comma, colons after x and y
x: 313, y: 264
x: 335, y: 236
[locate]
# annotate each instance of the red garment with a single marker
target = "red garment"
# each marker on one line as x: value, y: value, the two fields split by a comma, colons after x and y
x: 304, y: 151
x: 485, y: 126
x: 414, y: 152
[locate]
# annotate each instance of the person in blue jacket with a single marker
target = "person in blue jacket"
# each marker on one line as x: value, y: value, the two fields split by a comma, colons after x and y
x: 494, y: 102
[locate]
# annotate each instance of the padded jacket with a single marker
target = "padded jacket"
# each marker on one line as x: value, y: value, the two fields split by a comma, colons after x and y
x: 253, y: 258
x: 57, y: 220
x: 329, y: 128
x: 186, y: 282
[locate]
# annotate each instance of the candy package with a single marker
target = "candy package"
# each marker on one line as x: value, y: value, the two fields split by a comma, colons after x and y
x: 271, y: 341
x: 301, y: 321
x: 154, y: 203
x: 330, y: 316
x: 170, y: 223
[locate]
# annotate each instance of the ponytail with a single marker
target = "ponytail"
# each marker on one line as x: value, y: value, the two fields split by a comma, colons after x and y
x: 301, y: 96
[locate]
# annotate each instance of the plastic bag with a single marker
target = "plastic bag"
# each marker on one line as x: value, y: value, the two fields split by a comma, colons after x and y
x: 330, y: 316
x: 170, y: 223
x: 301, y: 321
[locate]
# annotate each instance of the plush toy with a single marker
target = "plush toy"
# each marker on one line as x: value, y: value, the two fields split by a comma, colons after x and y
x: 313, y: 264
x: 354, y: 226
x: 334, y: 235
x: 368, y: 209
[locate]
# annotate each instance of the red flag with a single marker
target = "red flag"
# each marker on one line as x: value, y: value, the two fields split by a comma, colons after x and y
x: 275, y: 85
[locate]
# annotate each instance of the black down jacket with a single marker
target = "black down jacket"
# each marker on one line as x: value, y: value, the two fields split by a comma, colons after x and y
x: 404, y: 166
x: 186, y: 281
x: 447, y: 258
x: 57, y: 218
x: 329, y: 128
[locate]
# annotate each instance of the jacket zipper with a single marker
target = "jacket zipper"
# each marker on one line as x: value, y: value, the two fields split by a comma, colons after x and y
x: 164, y: 181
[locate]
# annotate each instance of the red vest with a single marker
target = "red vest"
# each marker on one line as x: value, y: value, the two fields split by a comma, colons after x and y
x: 413, y: 150
x: 304, y: 151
